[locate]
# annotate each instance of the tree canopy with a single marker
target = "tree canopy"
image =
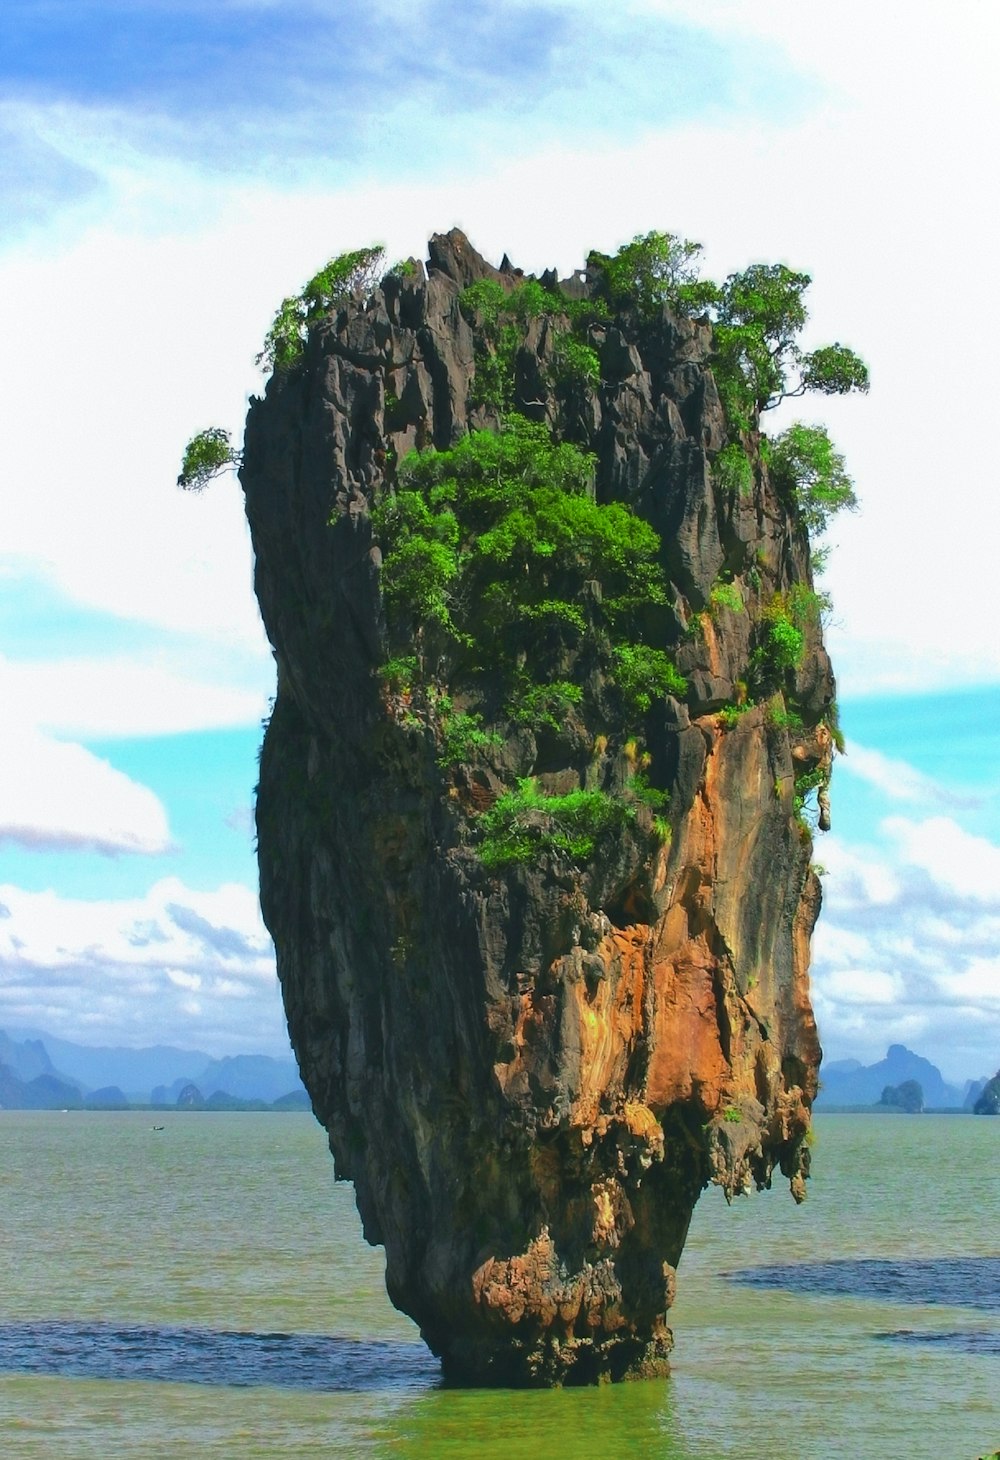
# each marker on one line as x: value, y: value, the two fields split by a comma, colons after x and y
x: 348, y: 273
x: 757, y: 313
x: 498, y: 548
x: 805, y: 466
x: 206, y: 456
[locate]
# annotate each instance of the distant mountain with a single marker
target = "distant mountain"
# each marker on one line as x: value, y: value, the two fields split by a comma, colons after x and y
x: 154, y: 1075
x: 44, y: 1092
x: 109, y: 1097
x: 250, y: 1077
x: 842, y: 1067
x: 25, y: 1059
x: 134, y: 1070
x: 863, y: 1084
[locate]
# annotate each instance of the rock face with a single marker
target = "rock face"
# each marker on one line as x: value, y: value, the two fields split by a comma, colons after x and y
x: 530, y: 1073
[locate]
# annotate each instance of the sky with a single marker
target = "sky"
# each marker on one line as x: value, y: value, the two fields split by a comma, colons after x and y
x: 173, y: 168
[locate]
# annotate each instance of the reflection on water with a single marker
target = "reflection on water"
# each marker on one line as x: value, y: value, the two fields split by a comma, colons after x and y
x: 207, y: 1356
x: 496, y: 1424
x: 955, y: 1282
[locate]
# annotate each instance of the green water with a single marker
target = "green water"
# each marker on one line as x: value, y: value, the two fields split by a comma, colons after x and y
x: 221, y: 1229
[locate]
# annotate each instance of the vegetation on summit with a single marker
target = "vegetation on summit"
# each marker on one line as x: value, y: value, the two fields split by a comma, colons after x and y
x: 505, y: 582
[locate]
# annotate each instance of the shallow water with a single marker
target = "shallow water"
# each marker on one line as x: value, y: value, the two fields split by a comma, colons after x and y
x: 207, y: 1286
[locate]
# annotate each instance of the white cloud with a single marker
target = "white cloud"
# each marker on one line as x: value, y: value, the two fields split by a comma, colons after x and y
x: 182, y: 980
x: 977, y: 985
x: 964, y: 865
x: 869, y: 192
x: 122, y: 695
x: 858, y: 878
x: 177, y: 966
x: 895, y: 778
x: 59, y: 795
x: 134, y: 322
x: 906, y: 946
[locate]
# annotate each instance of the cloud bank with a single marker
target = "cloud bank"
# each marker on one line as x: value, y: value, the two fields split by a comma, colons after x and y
x: 57, y: 795
x: 908, y: 946
x: 174, y: 966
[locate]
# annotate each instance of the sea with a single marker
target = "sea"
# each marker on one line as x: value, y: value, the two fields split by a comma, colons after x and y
x: 196, y: 1284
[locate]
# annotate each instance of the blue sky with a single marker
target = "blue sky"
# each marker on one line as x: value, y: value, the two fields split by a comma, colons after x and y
x: 335, y: 90
x: 171, y: 170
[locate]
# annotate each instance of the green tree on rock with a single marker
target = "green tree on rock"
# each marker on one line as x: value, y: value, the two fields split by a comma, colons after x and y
x: 206, y: 456
x: 806, y: 467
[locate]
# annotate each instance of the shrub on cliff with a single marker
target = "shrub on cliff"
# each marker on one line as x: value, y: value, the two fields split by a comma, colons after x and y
x: 497, y: 550
x: 207, y: 455
x: 806, y: 468
x: 652, y: 270
x: 500, y: 315
x: 757, y: 315
x: 339, y: 278
x: 525, y: 822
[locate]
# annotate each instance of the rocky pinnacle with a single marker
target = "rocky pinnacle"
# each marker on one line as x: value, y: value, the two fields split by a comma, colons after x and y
x: 531, y: 1072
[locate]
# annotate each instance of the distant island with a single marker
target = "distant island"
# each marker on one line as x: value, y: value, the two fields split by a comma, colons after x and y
x: 41, y: 1072
x: 903, y: 1082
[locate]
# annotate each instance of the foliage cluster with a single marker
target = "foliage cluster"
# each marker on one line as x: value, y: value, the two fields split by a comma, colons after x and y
x: 731, y: 715
x: 726, y: 595
x: 652, y: 270
x: 643, y: 674
x: 348, y: 273
x: 782, y: 629
x: 806, y: 468
x: 544, y: 706
x: 732, y: 469
x: 496, y: 554
x: 463, y: 737
x: 514, y: 584
x: 780, y: 716
x: 206, y: 456
x: 525, y: 823
x: 757, y: 316
x: 808, y: 781
x: 500, y: 316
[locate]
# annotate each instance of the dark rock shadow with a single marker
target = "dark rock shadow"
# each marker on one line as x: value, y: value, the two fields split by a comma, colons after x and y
x: 209, y: 1356
x: 953, y: 1282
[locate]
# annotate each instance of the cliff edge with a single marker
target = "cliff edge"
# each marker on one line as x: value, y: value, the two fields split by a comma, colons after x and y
x: 542, y: 902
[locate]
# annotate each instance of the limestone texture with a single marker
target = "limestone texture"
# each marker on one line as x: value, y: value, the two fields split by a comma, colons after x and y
x: 531, y: 1073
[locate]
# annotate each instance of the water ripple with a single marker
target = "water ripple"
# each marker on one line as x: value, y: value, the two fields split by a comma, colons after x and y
x: 963, y: 1340
x: 207, y: 1356
x: 954, y: 1282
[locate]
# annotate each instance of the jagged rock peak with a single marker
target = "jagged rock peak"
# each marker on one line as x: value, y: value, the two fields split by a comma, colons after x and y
x: 452, y: 254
